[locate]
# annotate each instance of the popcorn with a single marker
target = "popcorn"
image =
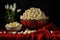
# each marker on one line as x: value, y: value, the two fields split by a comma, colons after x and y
x: 33, y: 31
x: 14, y: 24
x: 21, y: 17
x: 13, y: 32
x: 21, y: 32
x: 27, y: 31
x: 33, y: 14
x: 51, y: 32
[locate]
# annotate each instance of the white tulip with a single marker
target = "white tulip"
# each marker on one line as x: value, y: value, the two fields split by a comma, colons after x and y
x: 14, y: 5
x: 18, y: 10
x: 11, y: 7
x: 7, y: 6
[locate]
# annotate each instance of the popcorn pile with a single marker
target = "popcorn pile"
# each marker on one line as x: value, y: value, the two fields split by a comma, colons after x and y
x: 33, y: 14
x: 14, y: 24
x: 27, y: 31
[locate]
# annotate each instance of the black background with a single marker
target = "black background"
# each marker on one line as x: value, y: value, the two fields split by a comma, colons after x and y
x: 44, y: 5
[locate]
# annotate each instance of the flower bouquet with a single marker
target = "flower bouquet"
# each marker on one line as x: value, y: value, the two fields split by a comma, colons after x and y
x: 11, y: 12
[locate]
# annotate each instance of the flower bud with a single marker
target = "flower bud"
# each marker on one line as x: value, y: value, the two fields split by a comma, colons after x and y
x: 18, y: 10
x: 7, y: 6
x: 11, y: 7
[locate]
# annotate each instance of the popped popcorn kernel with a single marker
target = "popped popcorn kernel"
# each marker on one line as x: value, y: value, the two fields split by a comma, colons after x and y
x: 33, y: 14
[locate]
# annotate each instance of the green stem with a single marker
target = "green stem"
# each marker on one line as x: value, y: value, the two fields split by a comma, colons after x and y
x: 8, y: 12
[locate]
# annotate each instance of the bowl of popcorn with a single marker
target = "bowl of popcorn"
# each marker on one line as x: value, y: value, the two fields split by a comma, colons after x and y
x: 14, y: 26
x: 33, y: 18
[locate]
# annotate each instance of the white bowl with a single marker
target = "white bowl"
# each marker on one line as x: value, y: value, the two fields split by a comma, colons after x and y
x: 10, y: 28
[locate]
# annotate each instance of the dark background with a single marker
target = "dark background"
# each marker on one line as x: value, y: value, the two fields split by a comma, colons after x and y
x: 44, y: 5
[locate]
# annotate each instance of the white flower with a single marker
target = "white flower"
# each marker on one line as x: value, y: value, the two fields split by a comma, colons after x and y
x: 11, y: 7
x: 18, y: 10
x: 14, y: 5
x: 7, y: 6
